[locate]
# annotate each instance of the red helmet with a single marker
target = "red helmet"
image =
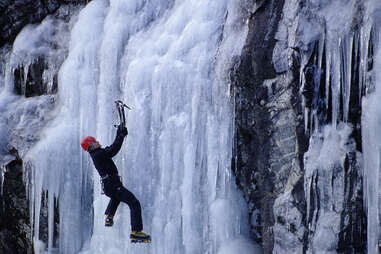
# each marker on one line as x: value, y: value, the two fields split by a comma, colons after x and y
x: 86, y: 142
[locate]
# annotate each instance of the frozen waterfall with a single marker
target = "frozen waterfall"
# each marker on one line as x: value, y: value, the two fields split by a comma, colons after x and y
x: 168, y: 60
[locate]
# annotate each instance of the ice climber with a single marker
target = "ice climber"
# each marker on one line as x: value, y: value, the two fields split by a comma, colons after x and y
x: 111, y: 184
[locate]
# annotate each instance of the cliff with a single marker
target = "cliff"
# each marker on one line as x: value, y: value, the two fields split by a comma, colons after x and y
x: 302, y: 198
x: 297, y: 86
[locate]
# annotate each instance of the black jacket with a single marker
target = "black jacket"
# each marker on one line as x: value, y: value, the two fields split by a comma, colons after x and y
x: 102, y: 156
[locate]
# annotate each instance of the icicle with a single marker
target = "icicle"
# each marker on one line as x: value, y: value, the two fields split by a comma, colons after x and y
x: 364, y: 45
x: 347, y: 75
x: 366, y: 53
x: 2, y: 171
x: 306, y: 117
x: 25, y: 79
x: 37, y: 211
x: 31, y: 203
x: 48, y: 78
x: 322, y: 50
x: 50, y: 220
x: 333, y: 79
x: 328, y: 80
x: 302, y: 86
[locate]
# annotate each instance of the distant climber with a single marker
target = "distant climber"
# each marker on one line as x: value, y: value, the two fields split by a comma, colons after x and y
x: 111, y: 184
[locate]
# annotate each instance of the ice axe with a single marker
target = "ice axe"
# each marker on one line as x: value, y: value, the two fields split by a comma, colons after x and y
x: 120, y: 106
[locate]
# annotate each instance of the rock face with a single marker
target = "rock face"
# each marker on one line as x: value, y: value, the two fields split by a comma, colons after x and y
x: 270, y: 135
x: 299, y: 202
x: 33, y: 84
x: 15, y: 231
x: 15, y: 14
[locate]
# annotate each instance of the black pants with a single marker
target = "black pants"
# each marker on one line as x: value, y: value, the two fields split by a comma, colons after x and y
x: 114, y: 189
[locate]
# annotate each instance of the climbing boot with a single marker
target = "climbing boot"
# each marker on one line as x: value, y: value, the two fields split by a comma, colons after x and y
x: 109, y: 221
x: 139, y: 237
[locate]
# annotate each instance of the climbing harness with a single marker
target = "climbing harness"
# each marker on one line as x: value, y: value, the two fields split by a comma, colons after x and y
x: 109, y: 178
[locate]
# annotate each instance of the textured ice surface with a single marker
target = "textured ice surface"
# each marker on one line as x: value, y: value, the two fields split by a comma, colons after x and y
x: 324, y: 185
x: 340, y: 28
x: 168, y: 60
x: 371, y: 123
x: 372, y: 155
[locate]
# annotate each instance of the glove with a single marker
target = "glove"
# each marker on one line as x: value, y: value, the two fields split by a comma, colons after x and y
x: 122, y: 130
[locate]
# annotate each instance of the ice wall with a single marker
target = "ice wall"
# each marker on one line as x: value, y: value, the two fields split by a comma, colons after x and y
x: 168, y: 60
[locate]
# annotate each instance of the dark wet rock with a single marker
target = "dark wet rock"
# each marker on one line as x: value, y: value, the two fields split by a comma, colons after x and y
x: 15, y: 14
x: 269, y: 128
x: 15, y: 228
x: 34, y: 84
x: 16, y: 232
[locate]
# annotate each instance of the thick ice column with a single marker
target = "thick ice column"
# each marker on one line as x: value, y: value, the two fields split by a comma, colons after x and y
x: 371, y: 124
x: 371, y: 121
x: 176, y: 158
